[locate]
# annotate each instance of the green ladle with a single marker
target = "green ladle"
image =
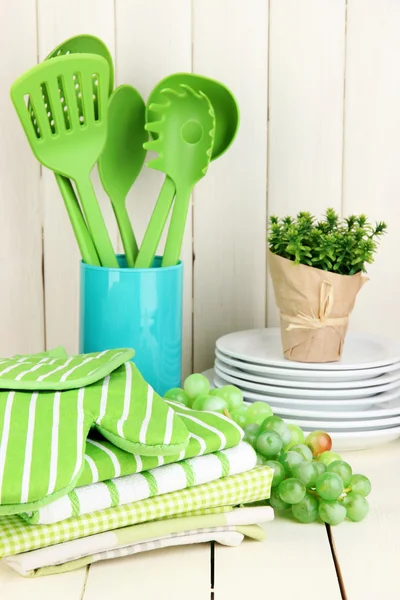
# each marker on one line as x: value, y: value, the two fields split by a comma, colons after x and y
x: 184, y: 145
x: 87, y: 44
x: 226, y: 125
x: 123, y: 157
x: 69, y: 137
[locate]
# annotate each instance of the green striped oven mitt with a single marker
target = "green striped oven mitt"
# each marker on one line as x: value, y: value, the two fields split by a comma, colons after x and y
x: 48, y: 404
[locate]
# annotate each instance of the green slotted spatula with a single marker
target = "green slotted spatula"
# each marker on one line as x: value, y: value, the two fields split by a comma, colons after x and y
x: 68, y: 134
x: 88, y: 44
x: 184, y: 145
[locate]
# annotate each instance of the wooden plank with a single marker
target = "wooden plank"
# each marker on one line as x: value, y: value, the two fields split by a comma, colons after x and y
x: 21, y: 302
x: 154, y: 40
x: 231, y: 44
x: 57, y: 21
x: 68, y: 586
x: 372, y: 149
x: 306, y: 75
x: 282, y: 566
x: 171, y: 573
x: 369, y: 552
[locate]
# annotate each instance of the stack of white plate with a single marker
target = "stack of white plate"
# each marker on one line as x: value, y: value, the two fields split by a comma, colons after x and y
x: 357, y: 400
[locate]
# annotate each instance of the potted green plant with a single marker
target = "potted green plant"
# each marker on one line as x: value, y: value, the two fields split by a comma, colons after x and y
x: 317, y: 271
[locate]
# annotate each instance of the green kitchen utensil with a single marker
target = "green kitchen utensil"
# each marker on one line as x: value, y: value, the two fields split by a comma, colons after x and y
x: 185, y: 142
x: 69, y: 136
x: 88, y: 44
x: 82, y: 235
x: 123, y: 157
x: 226, y: 126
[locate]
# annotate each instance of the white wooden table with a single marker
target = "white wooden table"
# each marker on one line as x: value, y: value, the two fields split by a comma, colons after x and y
x: 354, y: 561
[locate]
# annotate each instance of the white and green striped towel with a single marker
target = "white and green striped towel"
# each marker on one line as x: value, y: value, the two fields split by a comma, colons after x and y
x: 161, y: 480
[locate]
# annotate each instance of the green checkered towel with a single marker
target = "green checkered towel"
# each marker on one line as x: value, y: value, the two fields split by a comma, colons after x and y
x: 18, y: 536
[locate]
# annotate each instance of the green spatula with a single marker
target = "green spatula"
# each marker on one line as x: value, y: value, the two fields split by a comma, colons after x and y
x: 87, y: 44
x: 184, y: 145
x: 69, y: 136
x: 123, y: 157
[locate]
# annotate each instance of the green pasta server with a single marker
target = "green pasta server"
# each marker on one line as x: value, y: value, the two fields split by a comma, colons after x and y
x: 226, y: 126
x: 184, y: 145
x: 68, y: 135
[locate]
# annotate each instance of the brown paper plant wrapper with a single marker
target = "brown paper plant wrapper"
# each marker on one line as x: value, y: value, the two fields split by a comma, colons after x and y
x: 314, y: 306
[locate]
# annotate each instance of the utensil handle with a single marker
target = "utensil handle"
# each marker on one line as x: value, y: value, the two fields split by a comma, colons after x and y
x: 82, y: 235
x: 176, y: 229
x: 126, y: 231
x: 156, y: 225
x: 95, y: 222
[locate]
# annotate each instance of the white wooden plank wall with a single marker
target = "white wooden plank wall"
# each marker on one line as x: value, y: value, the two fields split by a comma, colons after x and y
x: 327, y: 73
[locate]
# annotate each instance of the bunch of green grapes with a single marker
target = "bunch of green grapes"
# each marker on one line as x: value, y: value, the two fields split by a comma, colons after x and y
x: 309, y: 479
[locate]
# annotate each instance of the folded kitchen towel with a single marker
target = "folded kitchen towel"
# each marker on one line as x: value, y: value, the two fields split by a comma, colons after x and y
x: 226, y: 536
x: 18, y: 536
x: 161, y: 480
x: 74, y: 554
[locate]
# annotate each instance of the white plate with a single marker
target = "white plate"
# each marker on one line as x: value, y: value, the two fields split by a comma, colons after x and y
x: 386, y: 409
x: 271, y: 390
x: 319, y: 385
x: 263, y: 346
x: 361, y: 440
x: 307, y: 375
x: 354, y: 425
x: 354, y: 403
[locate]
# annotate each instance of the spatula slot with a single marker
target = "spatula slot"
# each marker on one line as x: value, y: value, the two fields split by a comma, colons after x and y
x: 32, y: 114
x: 48, y: 107
x: 77, y: 79
x: 61, y: 88
x: 95, y: 89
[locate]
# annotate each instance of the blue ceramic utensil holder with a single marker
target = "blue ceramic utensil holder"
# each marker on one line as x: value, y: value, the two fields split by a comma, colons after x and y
x: 139, y: 309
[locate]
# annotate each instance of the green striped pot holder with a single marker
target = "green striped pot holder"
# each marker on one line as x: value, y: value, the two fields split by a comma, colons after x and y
x: 43, y: 431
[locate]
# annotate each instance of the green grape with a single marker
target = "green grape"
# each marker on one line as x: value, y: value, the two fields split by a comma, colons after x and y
x: 306, y: 511
x: 332, y: 512
x: 298, y: 436
x: 328, y: 457
x: 232, y: 395
x: 277, y: 424
x: 303, y: 450
x: 341, y: 468
x: 196, y: 385
x: 329, y: 486
x: 305, y: 472
x: 240, y: 416
x: 179, y: 395
x: 258, y: 411
x: 276, y: 502
x: 279, y: 472
x: 357, y: 506
x: 251, y: 432
x: 291, y: 490
x: 269, y: 444
x: 289, y: 460
x: 360, y: 485
x: 320, y: 467
x: 210, y: 403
